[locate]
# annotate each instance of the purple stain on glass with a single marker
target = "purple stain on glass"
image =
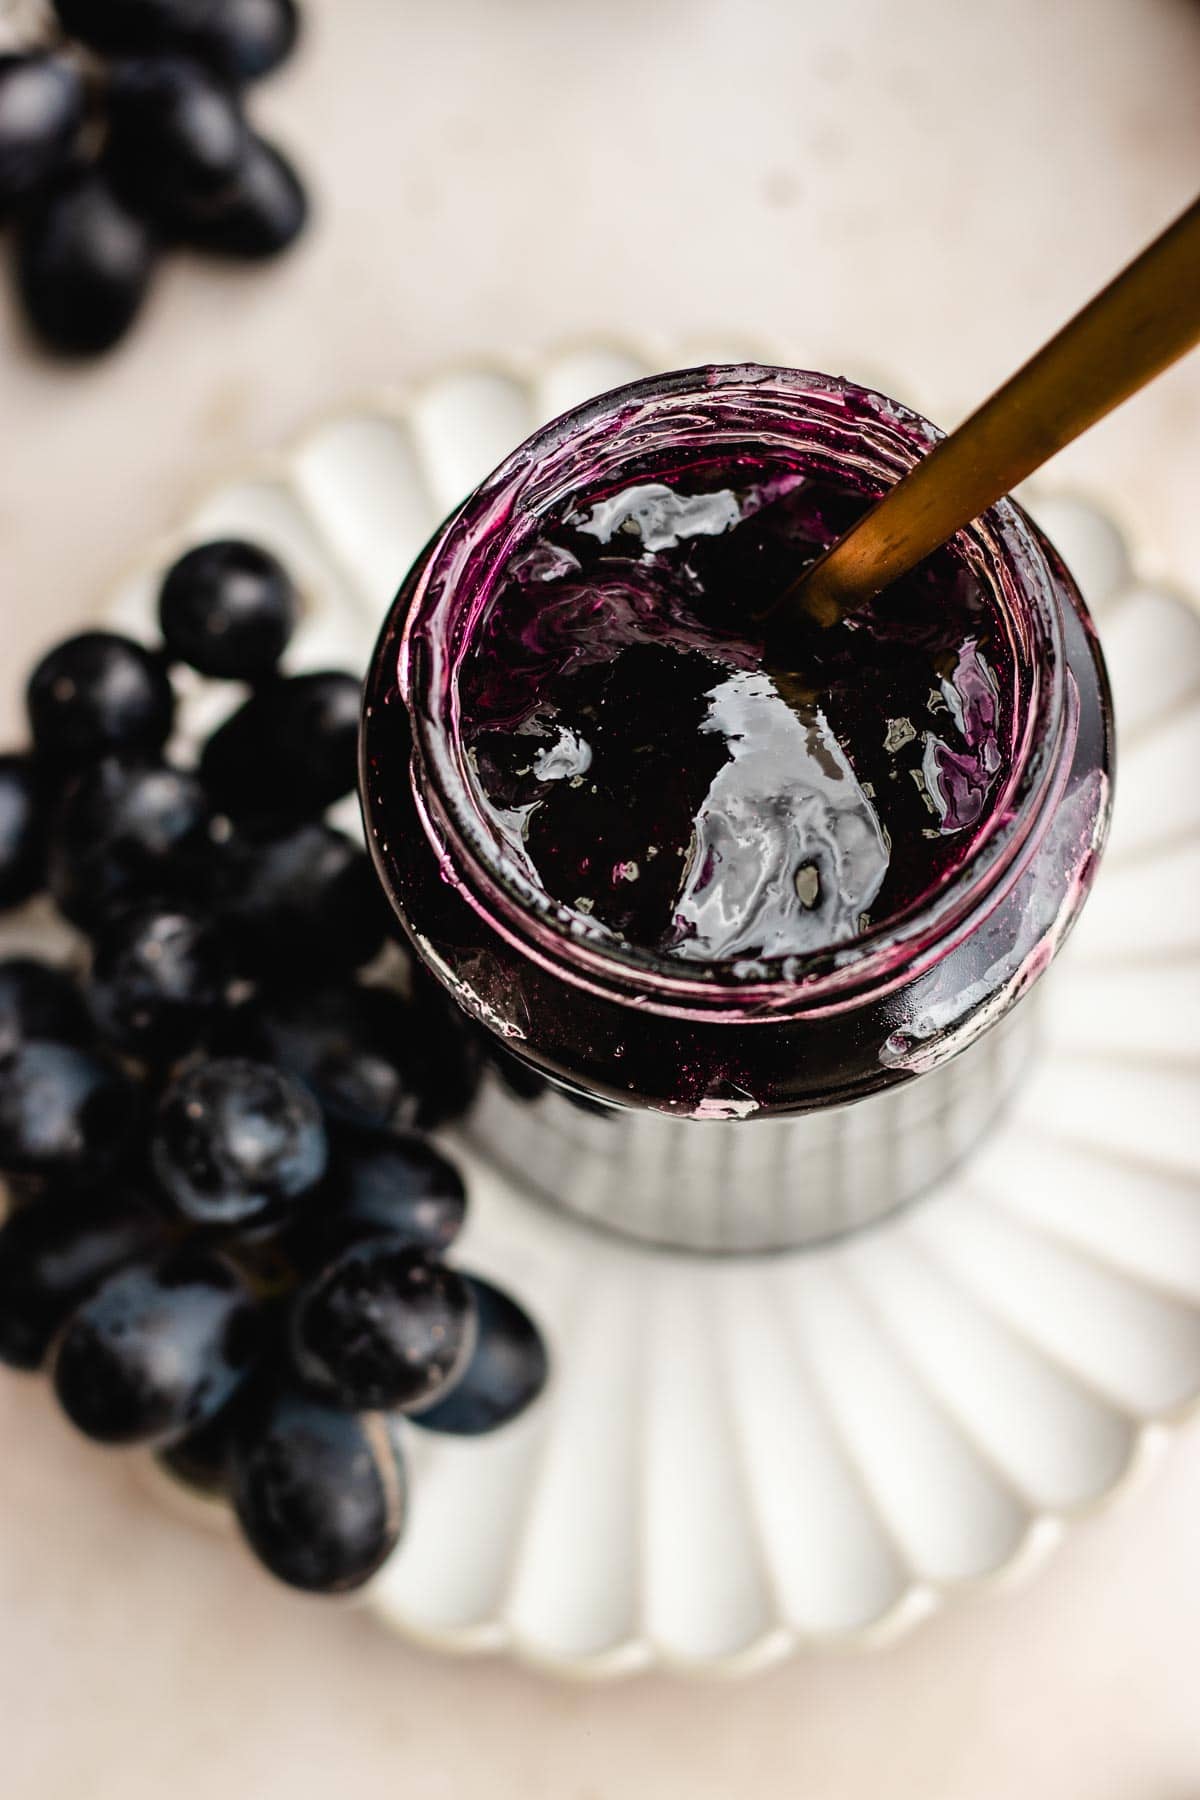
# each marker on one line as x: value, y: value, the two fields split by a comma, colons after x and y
x: 959, y: 780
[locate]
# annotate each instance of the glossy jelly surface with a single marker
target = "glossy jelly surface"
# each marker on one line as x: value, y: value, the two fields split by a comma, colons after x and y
x: 648, y: 768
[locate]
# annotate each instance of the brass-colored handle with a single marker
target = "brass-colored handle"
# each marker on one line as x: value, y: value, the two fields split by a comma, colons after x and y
x: 1141, y: 322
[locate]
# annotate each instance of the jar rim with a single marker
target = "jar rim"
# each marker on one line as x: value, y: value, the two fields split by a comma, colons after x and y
x: 1005, y: 550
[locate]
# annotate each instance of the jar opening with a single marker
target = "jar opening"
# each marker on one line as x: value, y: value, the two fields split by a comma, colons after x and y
x: 699, y: 420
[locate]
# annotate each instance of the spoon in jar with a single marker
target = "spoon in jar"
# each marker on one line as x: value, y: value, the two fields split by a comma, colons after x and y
x: 1136, y: 327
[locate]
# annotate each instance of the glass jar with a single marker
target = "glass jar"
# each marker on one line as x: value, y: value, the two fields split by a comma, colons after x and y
x: 734, y: 1105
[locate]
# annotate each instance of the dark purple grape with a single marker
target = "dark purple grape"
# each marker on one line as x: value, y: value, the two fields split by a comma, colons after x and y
x: 252, y: 36
x: 158, y: 1349
x: 159, y: 978
x: 320, y: 1494
x: 395, y: 1184
x: 249, y: 38
x: 306, y: 901
x: 228, y: 609
x: 54, y: 1252
x: 84, y: 265
x: 125, y: 830
x: 22, y: 831
x: 505, y: 1375
x: 260, y: 213
x: 97, y: 694
x: 63, y: 1110
x: 382, y: 1326
x: 237, y: 1143
x: 40, y: 1001
x: 41, y: 111
x: 289, y: 752
x: 177, y: 137
x: 353, y: 1046
x: 243, y: 39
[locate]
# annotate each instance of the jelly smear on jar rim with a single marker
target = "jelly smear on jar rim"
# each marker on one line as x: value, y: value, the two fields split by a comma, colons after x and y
x: 647, y: 771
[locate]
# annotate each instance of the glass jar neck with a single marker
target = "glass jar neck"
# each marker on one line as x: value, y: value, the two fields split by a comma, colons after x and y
x: 697, y: 416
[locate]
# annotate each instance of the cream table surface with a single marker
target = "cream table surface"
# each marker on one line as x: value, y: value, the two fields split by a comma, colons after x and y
x: 936, y: 183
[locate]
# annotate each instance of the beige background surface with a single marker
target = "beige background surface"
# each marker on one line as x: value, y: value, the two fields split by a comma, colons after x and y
x: 936, y: 183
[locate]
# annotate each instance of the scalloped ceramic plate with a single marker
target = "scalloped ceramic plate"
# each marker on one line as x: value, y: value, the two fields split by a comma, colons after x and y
x: 734, y: 1460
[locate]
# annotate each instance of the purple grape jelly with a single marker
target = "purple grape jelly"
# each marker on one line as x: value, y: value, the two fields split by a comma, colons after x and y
x: 630, y: 741
x: 746, y: 912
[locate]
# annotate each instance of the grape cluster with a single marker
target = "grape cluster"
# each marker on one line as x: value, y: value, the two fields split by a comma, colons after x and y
x: 227, y: 1230
x: 131, y: 139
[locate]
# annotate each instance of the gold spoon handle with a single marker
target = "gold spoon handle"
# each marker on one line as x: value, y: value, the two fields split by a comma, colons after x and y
x: 1141, y: 322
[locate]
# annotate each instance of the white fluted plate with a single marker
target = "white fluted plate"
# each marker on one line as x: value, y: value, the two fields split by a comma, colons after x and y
x: 735, y: 1460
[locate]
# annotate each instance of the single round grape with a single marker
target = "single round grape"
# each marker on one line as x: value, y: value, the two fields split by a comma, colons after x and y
x: 99, y: 693
x: 158, y: 1349
x: 261, y: 212
x: 176, y: 134
x: 40, y: 1001
x: 159, y: 978
x: 289, y: 752
x: 84, y: 265
x: 126, y: 829
x: 55, y: 1252
x: 228, y: 609
x: 248, y: 38
x: 41, y: 111
x: 306, y: 900
x: 320, y: 1494
x: 505, y: 1375
x: 382, y: 1326
x: 394, y: 1184
x: 22, y: 831
x: 237, y: 1143
x: 63, y: 1110
x: 353, y: 1046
